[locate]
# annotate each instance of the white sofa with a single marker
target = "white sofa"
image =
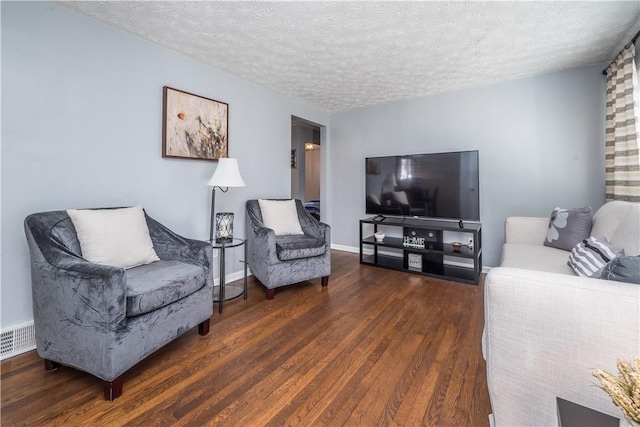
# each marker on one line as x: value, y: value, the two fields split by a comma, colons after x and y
x: 546, y: 328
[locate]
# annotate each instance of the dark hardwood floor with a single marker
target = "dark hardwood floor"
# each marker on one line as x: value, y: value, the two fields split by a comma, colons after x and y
x: 374, y: 348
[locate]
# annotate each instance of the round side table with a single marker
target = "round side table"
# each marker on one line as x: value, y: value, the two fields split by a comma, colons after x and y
x: 226, y: 292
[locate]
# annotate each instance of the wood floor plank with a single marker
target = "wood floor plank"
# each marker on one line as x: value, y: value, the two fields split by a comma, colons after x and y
x: 375, y: 347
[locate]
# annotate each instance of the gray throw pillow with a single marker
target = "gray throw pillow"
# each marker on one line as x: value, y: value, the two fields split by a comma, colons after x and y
x: 568, y: 227
x: 623, y: 269
x: 589, y: 257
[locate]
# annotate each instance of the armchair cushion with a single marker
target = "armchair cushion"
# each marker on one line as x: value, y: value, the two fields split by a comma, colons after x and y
x: 299, y: 246
x: 118, y: 237
x: 153, y: 286
x: 281, y: 216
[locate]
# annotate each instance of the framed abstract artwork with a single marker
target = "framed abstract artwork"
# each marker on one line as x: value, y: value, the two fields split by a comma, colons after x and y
x: 373, y: 166
x: 194, y: 127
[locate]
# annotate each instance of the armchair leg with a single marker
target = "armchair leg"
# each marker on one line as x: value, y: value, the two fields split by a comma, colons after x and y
x: 50, y: 365
x: 203, y: 328
x: 113, y: 389
x: 271, y: 293
x: 325, y: 281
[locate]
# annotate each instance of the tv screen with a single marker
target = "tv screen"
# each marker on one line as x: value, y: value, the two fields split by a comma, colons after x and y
x: 438, y: 185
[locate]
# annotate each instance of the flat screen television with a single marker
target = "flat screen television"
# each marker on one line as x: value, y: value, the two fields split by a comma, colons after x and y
x: 436, y: 185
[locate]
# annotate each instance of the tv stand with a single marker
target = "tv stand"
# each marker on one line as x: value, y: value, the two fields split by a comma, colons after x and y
x: 428, y: 247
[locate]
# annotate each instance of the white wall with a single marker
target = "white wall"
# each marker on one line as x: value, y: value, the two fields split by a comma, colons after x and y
x: 541, y: 143
x: 81, y: 127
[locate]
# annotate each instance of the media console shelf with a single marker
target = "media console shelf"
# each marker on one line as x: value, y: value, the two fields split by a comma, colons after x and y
x: 422, y: 246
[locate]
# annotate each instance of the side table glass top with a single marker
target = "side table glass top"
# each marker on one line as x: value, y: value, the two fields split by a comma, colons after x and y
x: 230, y: 244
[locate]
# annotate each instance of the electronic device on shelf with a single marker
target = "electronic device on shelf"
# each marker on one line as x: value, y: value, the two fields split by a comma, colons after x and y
x: 432, y: 185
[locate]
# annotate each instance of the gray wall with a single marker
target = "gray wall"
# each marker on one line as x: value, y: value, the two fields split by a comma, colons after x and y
x: 541, y: 143
x: 81, y: 127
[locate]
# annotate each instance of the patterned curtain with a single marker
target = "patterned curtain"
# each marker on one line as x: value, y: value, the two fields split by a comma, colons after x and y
x: 623, y: 128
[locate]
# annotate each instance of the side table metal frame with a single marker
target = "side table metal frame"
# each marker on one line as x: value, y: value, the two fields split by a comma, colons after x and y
x: 222, y: 246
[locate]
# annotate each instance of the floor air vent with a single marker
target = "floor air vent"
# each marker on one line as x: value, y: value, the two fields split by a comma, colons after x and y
x: 16, y: 340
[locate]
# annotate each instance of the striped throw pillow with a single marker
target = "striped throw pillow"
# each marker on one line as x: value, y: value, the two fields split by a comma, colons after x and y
x: 589, y: 257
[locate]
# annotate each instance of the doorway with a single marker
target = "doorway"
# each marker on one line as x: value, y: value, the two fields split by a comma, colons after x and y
x: 306, y: 164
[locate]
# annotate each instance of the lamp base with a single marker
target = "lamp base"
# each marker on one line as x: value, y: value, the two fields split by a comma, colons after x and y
x: 224, y: 239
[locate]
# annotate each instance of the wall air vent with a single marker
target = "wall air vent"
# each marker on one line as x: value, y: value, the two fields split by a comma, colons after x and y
x: 16, y: 340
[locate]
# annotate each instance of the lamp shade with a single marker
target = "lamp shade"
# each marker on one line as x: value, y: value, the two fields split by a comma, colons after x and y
x: 390, y: 180
x: 226, y: 174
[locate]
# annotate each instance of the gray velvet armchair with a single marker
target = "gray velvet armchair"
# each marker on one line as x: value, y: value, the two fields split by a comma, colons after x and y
x: 104, y: 319
x: 283, y: 260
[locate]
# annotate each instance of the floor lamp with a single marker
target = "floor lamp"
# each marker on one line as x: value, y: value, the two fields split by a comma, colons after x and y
x: 226, y: 175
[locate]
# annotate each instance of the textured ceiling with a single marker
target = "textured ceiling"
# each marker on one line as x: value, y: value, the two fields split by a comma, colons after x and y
x: 342, y: 55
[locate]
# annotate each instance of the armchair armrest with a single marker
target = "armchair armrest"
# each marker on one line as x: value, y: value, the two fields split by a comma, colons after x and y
x: 265, y: 239
x: 530, y: 230
x: 319, y: 230
x: 172, y: 247
x: 313, y: 227
x: 65, y: 285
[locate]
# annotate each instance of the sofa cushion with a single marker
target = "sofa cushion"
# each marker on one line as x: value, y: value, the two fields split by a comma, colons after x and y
x: 118, y: 237
x: 589, y: 257
x: 623, y: 269
x: 299, y: 246
x: 281, y: 216
x: 535, y: 257
x: 627, y: 235
x: 568, y: 227
x: 153, y: 286
x: 607, y: 219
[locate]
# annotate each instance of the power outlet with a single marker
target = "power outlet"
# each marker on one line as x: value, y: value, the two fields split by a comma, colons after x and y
x: 470, y: 244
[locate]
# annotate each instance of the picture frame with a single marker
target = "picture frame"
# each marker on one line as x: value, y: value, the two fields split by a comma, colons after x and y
x: 373, y: 166
x: 294, y: 158
x: 193, y: 127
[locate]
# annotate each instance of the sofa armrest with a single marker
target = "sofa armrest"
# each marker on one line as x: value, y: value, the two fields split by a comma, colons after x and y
x: 545, y: 333
x: 530, y: 230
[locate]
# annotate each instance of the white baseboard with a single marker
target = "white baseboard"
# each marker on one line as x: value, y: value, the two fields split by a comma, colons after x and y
x: 344, y: 248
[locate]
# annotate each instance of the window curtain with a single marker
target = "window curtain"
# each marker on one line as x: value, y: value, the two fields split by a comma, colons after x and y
x: 622, y: 158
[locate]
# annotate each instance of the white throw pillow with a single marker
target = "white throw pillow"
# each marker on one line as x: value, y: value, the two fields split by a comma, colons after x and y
x: 118, y: 237
x: 281, y: 216
x: 400, y: 197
